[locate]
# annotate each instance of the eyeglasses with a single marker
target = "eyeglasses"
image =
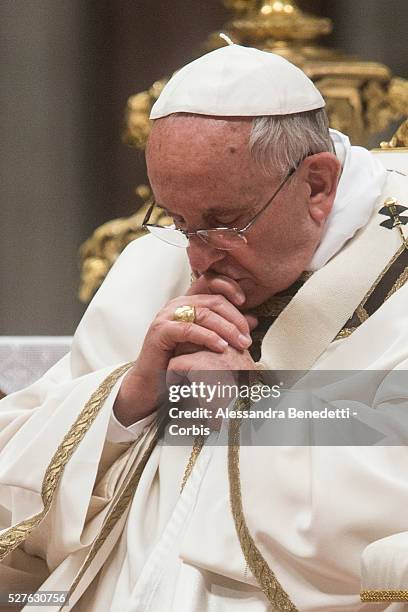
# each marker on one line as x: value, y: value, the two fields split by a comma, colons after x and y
x: 222, y: 238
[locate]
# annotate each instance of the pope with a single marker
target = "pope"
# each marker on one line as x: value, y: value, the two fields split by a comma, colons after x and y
x: 279, y: 221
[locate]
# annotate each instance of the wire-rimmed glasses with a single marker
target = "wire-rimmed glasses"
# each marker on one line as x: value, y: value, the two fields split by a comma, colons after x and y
x: 222, y: 238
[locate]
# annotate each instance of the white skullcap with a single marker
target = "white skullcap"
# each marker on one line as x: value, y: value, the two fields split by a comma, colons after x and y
x: 238, y: 81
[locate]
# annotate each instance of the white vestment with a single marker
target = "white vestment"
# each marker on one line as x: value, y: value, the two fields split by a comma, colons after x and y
x: 116, y: 526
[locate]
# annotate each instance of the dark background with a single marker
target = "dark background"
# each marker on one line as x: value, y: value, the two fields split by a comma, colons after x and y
x: 67, y: 69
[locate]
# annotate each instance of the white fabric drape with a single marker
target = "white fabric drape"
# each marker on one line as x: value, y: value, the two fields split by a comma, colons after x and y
x: 361, y: 183
x: 311, y: 511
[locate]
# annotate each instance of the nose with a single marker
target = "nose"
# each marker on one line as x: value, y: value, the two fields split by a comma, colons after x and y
x: 202, y: 256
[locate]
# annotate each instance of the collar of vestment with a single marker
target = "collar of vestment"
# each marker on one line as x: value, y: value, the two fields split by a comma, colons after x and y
x: 268, y: 312
x: 361, y: 183
x: 326, y: 301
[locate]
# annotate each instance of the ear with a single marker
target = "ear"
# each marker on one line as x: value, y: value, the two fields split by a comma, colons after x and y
x: 321, y: 173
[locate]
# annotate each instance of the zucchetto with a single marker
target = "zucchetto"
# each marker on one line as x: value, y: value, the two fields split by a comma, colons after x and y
x: 238, y: 81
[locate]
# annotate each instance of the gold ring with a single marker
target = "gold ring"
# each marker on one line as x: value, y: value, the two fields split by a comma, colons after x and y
x: 186, y: 314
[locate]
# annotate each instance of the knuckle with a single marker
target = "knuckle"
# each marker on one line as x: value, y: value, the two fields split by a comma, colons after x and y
x: 156, y: 325
x: 221, y: 300
x: 241, y: 321
x: 212, y: 337
x: 245, y: 325
x: 235, y: 331
x: 203, y: 314
x: 176, y: 363
x: 188, y: 330
x: 216, y: 300
x: 173, y: 301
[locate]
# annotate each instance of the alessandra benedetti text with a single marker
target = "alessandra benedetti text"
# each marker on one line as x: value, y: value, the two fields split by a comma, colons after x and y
x: 267, y: 413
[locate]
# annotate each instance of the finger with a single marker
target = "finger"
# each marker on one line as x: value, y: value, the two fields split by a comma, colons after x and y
x: 174, y: 374
x: 252, y: 321
x: 216, y: 303
x: 221, y: 306
x: 186, y: 349
x: 225, y: 329
x: 173, y: 333
x: 178, y: 365
x: 218, y: 284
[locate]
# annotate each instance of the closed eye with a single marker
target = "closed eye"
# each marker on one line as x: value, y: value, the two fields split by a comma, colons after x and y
x: 176, y: 218
x: 212, y: 221
x: 226, y: 222
x: 231, y: 221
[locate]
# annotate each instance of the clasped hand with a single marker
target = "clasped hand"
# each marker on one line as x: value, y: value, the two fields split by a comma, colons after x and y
x: 218, y: 340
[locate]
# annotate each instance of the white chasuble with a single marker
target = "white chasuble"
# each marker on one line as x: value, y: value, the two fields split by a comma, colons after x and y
x: 254, y: 528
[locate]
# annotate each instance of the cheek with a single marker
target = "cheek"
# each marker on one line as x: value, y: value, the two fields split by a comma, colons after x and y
x: 246, y: 262
x: 260, y: 245
x: 262, y: 258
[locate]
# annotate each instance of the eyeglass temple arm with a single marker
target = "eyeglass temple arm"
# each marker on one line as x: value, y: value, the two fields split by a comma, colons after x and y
x: 147, y: 217
x: 287, y: 177
x: 149, y: 212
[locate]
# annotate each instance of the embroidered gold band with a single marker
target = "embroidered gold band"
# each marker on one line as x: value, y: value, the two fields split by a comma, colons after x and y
x: 267, y: 580
x: 195, y: 451
x: 384, y: 595
x: 391, y: 279
x: 14, y: 536
x: 115, y: 514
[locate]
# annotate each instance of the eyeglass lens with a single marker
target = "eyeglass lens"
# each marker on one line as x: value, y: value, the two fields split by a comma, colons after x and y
x: 218, y: 238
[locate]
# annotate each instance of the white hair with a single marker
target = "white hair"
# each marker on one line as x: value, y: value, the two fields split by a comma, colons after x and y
x: 280, y: 143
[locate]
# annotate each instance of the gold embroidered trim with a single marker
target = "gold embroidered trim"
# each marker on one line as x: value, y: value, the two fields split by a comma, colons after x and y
x: 380, y: 277
x: 345, y: 333
x: 362, y: 313
x: 400, y: 282
x: 15, y: 535
x: 267, y: 580
x: 115, y: 514
x: 195, y: 451
x: 273, y: 306
x: 384, y: 595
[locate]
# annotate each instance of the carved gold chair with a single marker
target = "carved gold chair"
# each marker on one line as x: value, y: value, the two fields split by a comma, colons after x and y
x: 363, y: 98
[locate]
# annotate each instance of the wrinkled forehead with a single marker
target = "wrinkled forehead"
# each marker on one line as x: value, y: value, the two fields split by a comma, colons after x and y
x: 196, y: 152
x: 187, y: 136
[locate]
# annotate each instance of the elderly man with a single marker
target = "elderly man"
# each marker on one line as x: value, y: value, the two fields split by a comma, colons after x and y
x: 293, y: 268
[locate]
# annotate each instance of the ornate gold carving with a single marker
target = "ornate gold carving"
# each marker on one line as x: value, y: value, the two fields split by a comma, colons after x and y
x: 264, y: 23
x: 267, y: 580
x: 100, y: 251
x: 385, y: 102
x: 14, y: 536
x: 384, y: 595
x: 399, y: 139
x: 137, y: 115
x: 362, y: 99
